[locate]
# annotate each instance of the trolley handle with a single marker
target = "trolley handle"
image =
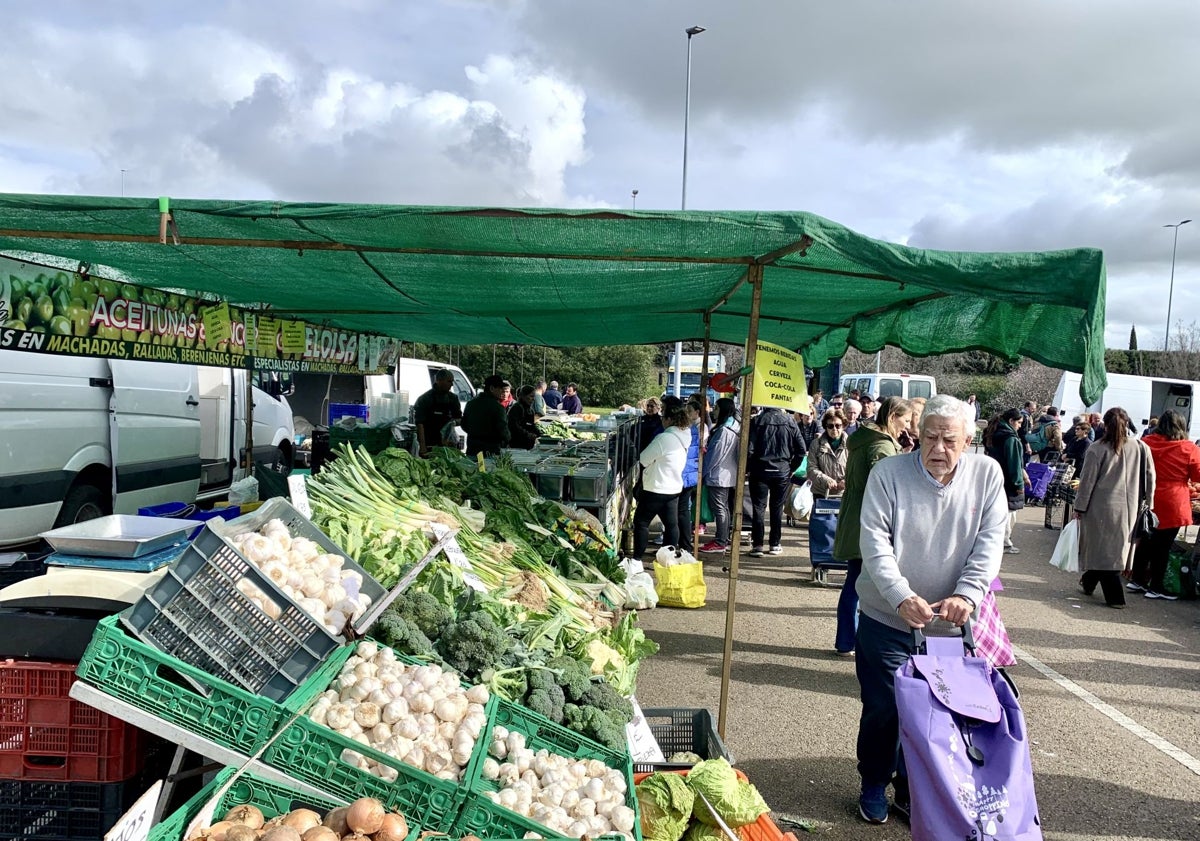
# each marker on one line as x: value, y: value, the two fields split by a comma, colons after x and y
x: 968, y: 637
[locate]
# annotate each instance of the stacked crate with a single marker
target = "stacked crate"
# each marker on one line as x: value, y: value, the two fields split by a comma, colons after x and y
x: 67, y: 771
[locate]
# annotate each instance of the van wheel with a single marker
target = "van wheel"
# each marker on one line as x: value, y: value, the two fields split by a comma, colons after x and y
x: 83, y: 502
x: 283, y: 461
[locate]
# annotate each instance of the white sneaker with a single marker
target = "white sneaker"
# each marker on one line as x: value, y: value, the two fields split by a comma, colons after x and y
x: 776, y: 550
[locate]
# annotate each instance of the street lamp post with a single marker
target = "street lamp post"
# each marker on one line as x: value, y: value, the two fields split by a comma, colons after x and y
x: 687, y: 107
x: 635, y: 192
x: 1171, y: 292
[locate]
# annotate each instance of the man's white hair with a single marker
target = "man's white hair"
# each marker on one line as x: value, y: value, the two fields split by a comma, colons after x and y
x: 946, y: 406
x: 853, y: 404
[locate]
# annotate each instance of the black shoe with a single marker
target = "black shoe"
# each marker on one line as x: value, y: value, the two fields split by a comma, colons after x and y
x: 901, y: 803
x: 1087, y: 591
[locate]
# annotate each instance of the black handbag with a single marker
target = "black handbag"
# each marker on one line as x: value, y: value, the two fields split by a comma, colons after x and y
x: 1147, y: 521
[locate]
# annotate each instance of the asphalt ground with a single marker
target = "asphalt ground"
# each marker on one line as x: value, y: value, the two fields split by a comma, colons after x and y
x: 1111, y: 697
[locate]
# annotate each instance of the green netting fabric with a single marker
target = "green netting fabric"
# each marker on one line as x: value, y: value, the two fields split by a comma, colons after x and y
x: 558, y: 277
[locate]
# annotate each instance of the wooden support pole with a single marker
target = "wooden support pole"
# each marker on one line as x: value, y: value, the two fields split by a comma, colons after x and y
x: 755, y: 278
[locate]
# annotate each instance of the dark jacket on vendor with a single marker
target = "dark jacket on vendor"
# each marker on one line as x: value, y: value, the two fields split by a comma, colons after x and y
x: 485, y: 420
x: 522, y: 421
x: 776, y: 445
x: 1006, y: 448
x: 866, y: 446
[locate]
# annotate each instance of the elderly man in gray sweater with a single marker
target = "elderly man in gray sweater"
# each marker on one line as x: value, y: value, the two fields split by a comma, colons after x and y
x: 933, y: 525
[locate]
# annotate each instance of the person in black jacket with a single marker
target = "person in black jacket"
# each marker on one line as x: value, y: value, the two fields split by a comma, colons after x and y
x: 776, y: 449
x: 522, y: 421
x: 484, y: 419
x: 1002, y: 442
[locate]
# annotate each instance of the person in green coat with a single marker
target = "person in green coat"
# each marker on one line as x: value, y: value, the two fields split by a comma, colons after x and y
x: 871, y: 442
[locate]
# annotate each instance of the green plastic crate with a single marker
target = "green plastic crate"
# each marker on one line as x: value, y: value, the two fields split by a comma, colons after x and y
x: 480, y: 816
x: 312, y: 752
x: 124, y: 667
x: 374, y: 439
x: 272, y: 798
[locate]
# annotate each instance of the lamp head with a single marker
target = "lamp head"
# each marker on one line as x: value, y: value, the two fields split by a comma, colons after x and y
x: 694, y: 30
x: 635, y: 192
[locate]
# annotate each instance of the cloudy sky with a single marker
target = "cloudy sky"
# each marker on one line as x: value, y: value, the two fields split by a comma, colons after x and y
x: 1024, y: 125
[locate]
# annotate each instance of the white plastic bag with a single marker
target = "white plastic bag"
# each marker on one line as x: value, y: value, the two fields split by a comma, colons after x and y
x: 1066, y: 552
x: 639, y: 591
x: 632, y: 566
x: 800, y: 500
x: 243, y: 491
x: 671, y: 556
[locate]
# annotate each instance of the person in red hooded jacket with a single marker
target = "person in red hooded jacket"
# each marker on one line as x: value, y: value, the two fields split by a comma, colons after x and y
x: 1176, y: 462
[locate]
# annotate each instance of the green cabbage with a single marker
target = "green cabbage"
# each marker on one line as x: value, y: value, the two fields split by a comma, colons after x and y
x: 666, y: 805
x: 703, y: 832
x: 736, y: 802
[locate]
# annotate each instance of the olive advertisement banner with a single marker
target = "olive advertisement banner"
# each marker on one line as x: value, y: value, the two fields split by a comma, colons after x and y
x: 779, y: 379
x: 47, y: 310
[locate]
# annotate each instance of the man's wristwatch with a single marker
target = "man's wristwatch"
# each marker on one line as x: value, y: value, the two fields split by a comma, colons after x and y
x: 966, y: 599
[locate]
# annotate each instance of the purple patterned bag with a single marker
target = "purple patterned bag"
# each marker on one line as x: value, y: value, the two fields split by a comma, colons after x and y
x: 965, y: 749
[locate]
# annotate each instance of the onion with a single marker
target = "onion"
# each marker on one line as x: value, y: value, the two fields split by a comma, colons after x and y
x: 280, y: 833
x: 394, y: 828
x: 321, y: 833
x: 218, y: 831
x: 302, y: 820
x: 241, y: 832
x: 247, y: 815
x: 356, y: 836
x: 365, y: 815
x: 336, y: 820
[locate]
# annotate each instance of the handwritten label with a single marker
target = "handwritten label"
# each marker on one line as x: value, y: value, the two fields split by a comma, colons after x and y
x: 458, y: 558
x: 218, y: 325
x: 298, y: 491
x: 135, y: 825
x: 294, y: 337
x: 264, y: 340
x: 643, y: 747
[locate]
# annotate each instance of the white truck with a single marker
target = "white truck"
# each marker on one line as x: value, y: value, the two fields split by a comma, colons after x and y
x: 82, y: 437
x: 1140, y: 397
x: 691, y: 367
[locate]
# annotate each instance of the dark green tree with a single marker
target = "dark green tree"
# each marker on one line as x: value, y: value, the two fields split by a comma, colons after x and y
x: 1133, y: 337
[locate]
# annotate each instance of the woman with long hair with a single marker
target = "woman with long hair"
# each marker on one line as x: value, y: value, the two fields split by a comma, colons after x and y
x: 1176, y: 462
x: 868, y: 444
x: 1115, y: 469
x: 662, y: 463
x: 720, y: 472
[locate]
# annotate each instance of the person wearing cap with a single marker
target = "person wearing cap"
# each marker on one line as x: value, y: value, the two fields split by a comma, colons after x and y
x: 485, y: 420
x: 868, y: 408
x: 553, y: 396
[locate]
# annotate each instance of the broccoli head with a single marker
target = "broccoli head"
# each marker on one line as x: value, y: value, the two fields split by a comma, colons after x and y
x: 400, y: 634
x: 596, y: 725
x: 509, y: 684
x: 474, y: 643
x: 573, y: 676
x: 425, y: 611
x: 546, y: 700
x: 603, y: 697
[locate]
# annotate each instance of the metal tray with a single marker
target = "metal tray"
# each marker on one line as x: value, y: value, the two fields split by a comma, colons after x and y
x: 120, y: 535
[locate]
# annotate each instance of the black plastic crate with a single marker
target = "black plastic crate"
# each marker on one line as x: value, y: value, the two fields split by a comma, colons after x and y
x: 54, y: 811
x: 678, y: 729
x: 15, y: 566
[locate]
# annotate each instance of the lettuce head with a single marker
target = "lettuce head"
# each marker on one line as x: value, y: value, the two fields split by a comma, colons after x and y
x: 666, y: 805
x: 737, y: 803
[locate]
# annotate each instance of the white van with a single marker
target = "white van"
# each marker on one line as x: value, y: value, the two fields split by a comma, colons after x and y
x: 313, y: 394
x: 880, y: 386
x: 84, y: 437
x: 1140, y: 397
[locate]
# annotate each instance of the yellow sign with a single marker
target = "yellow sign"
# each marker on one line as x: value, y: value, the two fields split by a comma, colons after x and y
x: 779, y: 379
x: 293, y: 337
x: 218, y: 325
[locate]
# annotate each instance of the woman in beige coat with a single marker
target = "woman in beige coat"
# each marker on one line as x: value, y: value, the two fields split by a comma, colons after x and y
x: 1107, y: 504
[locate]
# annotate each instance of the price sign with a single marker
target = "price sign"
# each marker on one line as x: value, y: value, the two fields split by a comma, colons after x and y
x: 218, y: 326
x: 135, y: 825
x: 293, y: 337
x: 458, y: 558
x: 643, y: 747
x: 298, y: 491
x: 249, y: 336
x: 264, y: 340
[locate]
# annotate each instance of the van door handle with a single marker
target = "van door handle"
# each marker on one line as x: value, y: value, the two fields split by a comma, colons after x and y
x: 100, y: 382
x: 192, y: 401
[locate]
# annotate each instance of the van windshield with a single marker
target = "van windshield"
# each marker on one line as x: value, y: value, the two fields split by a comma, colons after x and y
x: 462, y: 388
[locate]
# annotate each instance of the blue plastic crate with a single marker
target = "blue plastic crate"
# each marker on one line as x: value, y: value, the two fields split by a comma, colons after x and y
x: 341, y: 410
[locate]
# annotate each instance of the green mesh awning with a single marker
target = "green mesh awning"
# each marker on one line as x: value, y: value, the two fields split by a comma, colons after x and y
x: 559, y: 277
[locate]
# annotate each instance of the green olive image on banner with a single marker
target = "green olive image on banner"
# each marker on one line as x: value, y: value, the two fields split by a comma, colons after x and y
x: 60, y: 325
x: 43, y: 309
x: 15, y: 324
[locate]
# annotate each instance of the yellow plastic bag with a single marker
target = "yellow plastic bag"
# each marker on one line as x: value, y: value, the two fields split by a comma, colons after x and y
x: 680, y: 585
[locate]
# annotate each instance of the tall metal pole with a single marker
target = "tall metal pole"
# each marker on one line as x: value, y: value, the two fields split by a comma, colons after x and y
x: 1171, y: 292
x: 735, y: 540
x: 687, y: 108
